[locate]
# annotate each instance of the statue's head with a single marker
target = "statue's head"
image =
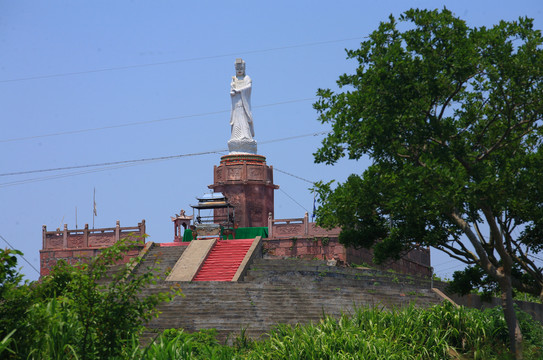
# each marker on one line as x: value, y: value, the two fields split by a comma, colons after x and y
x: 240, y: 67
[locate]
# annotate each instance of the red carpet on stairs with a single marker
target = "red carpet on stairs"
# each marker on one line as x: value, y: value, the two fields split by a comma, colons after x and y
x: 223, y: 260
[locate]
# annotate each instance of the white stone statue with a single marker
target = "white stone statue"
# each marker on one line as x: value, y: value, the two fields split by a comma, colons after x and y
x: 241, y: 118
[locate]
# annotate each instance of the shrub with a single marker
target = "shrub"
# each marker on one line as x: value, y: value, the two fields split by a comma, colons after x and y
x: 93, y: 310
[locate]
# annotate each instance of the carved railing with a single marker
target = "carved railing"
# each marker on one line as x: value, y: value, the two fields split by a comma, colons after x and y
x: 297, y: 227
x: 278, y: 228
x: 88, y: 238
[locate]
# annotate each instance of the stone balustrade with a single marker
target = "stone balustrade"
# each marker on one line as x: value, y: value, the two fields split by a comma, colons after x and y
x: 299, y: 238
x: 297, y: 227
x: 79, y: 245
x: 88, y: 238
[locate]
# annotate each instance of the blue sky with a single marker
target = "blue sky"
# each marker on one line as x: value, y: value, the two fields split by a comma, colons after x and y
x: 153, y: 78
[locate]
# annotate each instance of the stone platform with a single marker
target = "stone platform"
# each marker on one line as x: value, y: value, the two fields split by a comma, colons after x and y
x: 247, y: 182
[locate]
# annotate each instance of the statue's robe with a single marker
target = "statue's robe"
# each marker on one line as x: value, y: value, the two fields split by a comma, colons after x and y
x: 241, y: 119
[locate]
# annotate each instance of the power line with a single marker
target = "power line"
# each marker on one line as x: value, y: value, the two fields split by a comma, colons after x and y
x: 112, y: 163
x: 294, y: 176
x: 453, y: 267
x: 39, y: 77
x: 291, y: 198
x: 119, y: 164
x: 448, y: 262
x: 535, y: 257
x: 295, y: 137
x: 28, y: 262
x: 58, y: 176
x: 71, y: 132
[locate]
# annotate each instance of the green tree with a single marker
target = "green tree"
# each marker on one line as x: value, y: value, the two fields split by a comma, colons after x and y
x: 451, y: 118
x: 106, y: 300
x: 15, y: 300
x: 89, y: 311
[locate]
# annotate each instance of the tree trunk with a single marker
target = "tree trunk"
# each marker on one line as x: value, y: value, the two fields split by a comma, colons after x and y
x: 515, y: 334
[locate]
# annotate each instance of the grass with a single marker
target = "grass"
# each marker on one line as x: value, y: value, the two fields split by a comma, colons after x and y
x: 440, y: 332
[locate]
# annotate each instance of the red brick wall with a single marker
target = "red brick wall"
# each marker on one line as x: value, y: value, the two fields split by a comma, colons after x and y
x: 324, y: 248
x: 308, y: 248
x: 80, y: 245
x: 415, y: 262
x: 49, y: 258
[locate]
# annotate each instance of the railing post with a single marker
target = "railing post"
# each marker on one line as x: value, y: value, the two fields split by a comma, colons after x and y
x: 43, y: 235
x: 117, y: 230
x: 142, y: 228
x: 270, y: 225
x: 65, y: 237
x: 86, y: 235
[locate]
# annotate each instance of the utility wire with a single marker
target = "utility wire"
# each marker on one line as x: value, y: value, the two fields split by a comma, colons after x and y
x: 295, y: 137
x: 448, y: 262
x: 71, y: 132
x: 452, y: 267
x: 57, y: 176
x: 112, y: 163
x: 294, y: 176
x: 39, y: 77
x: 291, y: 198
x: 28, y: 262
x: 146, y: 160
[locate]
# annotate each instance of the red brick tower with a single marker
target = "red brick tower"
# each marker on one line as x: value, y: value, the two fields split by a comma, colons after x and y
x: 247, y: 182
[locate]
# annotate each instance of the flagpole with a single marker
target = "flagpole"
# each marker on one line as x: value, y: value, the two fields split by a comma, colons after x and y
x: 93, y: 206
x: 314, y: 208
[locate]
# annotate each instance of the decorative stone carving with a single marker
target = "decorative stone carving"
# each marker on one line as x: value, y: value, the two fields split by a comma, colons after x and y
x: 241, y: 118
x: 219, y: 174
x: 55, y: 243
x: 101, y: 240
x: 255, y: 173
x: 234, y: 173
x: 292, y: 229
x: 76, y: 242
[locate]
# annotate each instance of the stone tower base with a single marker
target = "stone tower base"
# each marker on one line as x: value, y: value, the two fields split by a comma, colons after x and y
x: 247, y: 182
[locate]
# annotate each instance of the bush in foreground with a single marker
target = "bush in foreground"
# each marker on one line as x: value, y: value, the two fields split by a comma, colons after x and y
x: 440, y: 332
x: 92, y: 310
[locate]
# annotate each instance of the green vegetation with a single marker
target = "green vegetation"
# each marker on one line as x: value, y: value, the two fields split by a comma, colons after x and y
x: 86, y: 311
x: 450, y: 116
x: 89, y: 312
x: 411, y: 333
x: 325, y: 241
x: 441, y: 332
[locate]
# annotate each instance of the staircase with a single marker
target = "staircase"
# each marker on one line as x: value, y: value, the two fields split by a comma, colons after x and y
x: 159, y: 259
x: 285, y: 291
x: 223, y: 260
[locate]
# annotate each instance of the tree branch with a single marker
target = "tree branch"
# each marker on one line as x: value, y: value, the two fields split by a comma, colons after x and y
x: 483, y: 261
x: 479, y: 234
x: 502, y: 138
x: 498, y: 238
x: 526, y: 263
x: 446, y: 103
x: 462, y: 258
x: 466, y: 250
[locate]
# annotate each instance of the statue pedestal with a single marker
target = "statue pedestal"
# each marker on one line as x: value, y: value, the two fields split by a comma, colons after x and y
x: 247, y: 182
x: 242, y: 146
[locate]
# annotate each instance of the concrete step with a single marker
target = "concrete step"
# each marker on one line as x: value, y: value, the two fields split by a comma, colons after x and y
x: 223, y: 260
x: 229, y: 307
x: 159, y: 259
x: 277, y: 270
x: 277, y: 291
